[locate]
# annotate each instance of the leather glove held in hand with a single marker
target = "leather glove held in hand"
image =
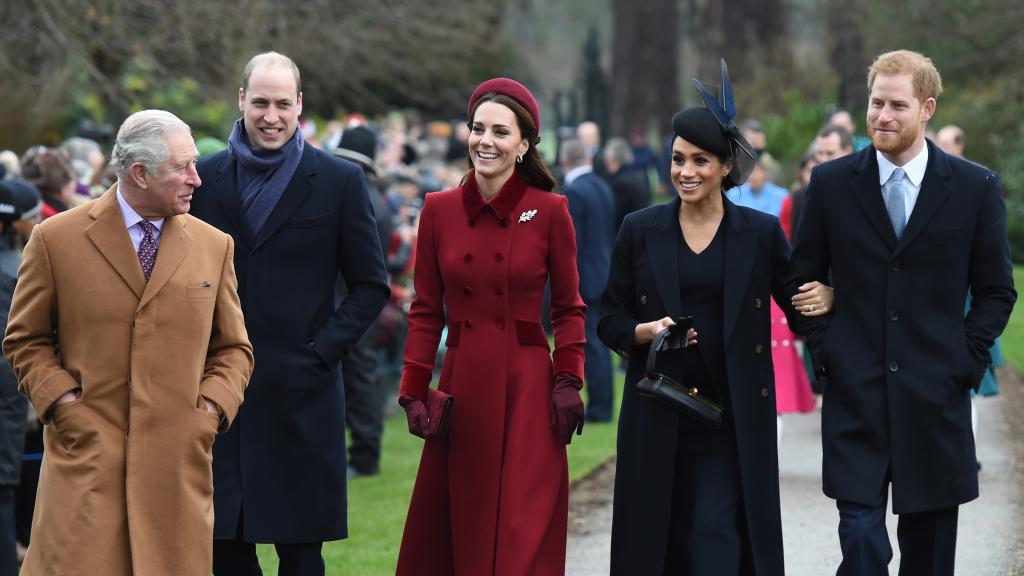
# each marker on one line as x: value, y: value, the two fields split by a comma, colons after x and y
x: 566, y: 407
x: 677, y: 334
x: 416, y: 414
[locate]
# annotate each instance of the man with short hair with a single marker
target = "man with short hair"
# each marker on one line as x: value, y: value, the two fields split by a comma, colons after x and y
x: 906, y: 231
x: 753, y: 131
x: 628, y: 186
x: 127, y: 336
x: 832, y: 142
x: 589, y: 133
x: 759, y: 192
x: 951, y: 139
x: 592, y: 209
x: 300, y: 218
x: 841, y: 117
x: 364, y: 389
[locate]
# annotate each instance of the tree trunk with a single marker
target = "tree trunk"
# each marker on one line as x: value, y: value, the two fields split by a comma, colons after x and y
x: 846, y: 52
x: 645, y: 66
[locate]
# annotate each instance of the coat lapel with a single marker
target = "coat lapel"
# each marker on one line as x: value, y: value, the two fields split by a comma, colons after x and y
x: 740, y: 252
x: 869, y: 195
x: 663, y: 253
x: 298, y: 188
x: 226, y: 189
x: 934, y: 191
x: 175, y: 242
x: 110, y: 236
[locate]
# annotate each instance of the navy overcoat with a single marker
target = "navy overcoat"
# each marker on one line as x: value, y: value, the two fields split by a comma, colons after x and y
x: 284, y: 460
x: 643, y: 286
x: 899, y: 355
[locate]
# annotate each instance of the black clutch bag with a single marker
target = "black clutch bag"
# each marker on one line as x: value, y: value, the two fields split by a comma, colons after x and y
x: 686, y: 400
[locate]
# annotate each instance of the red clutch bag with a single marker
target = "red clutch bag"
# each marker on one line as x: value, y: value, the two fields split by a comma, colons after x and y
x: 439, y: 412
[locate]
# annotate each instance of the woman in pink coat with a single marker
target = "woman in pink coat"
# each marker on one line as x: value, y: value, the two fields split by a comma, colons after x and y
x: 491, y: 497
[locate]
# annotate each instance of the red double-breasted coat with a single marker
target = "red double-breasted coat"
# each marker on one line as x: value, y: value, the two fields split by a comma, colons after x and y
x: 492, y: 497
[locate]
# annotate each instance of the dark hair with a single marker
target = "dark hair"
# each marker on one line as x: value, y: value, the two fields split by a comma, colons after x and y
x: 806, y: 158
x: 532, y: 169
x: 699, y: 127
x: 845, y: 138
x: 727, y: 180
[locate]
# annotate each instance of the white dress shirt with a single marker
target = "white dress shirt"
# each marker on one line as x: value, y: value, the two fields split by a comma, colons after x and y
x: 576, y: 172
x: 915, y: 175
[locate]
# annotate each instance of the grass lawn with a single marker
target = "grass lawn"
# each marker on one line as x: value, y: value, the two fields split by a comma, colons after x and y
x: 377, y: 505
x: 1013, y: 337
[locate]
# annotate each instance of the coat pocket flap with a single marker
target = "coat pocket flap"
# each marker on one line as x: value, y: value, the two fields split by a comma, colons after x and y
x: 531, y: 334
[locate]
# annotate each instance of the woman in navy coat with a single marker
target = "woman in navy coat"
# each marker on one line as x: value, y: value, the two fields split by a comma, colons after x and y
x: 691, y: 499
x: 492, y: 496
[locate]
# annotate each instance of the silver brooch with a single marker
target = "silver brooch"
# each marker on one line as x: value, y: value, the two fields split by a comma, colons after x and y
x: 527, y: 216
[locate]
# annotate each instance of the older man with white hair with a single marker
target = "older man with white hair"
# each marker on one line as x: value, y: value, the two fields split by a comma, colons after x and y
x: 127, y: 336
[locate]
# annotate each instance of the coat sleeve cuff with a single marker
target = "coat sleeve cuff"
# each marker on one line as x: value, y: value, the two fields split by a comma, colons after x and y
x: 223, y: 398
x: 571, y: 364
x: 415, y: 381
x: 49, y: 390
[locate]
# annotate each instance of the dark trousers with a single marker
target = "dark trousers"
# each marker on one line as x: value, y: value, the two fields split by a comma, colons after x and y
x: 708, y: 536
x: 927, y: 541
x: 597, y: 368
x: 238, y: 558
x: 25, y: 494
x: 364, y: 407
x: 8, y: 556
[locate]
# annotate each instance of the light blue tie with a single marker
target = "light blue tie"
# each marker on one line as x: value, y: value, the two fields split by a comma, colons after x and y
x: 895, y: 198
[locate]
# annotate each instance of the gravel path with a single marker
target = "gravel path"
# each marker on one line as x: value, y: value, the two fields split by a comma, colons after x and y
x: 991, y: 539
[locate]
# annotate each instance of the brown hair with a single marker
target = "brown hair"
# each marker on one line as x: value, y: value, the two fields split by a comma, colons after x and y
x: 925, y: 77
x: 49, y: 169
x: 532, y: 169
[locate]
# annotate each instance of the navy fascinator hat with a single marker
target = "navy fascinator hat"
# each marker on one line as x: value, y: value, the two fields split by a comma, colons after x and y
x: 713, y: 128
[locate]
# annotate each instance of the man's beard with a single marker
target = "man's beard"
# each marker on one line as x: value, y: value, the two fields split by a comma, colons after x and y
x: 901, y: 141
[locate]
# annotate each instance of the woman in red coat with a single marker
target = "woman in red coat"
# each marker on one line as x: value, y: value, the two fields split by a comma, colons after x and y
x: 491, y: 497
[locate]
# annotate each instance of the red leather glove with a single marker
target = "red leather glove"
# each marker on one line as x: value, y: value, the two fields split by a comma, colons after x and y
x: 416, y: 414
x: 566, y: 407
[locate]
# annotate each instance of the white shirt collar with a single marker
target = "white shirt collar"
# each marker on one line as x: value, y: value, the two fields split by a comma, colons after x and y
x: 131, y: 217
x: 576, y: 172
x: 914, y: 169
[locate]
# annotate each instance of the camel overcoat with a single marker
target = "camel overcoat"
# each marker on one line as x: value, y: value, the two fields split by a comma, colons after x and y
x: 126, y: 485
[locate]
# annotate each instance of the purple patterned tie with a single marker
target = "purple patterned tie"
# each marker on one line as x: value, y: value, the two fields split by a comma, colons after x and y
x: 147, y: 248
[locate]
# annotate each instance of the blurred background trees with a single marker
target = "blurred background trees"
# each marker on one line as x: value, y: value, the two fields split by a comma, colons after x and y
x: 80, y: 66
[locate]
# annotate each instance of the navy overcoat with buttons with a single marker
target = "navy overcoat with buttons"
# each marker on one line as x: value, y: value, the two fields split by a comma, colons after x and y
x: 492, y: 497
x: 283, y: 462
x: 899, y: 355
x: 643, y: 286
